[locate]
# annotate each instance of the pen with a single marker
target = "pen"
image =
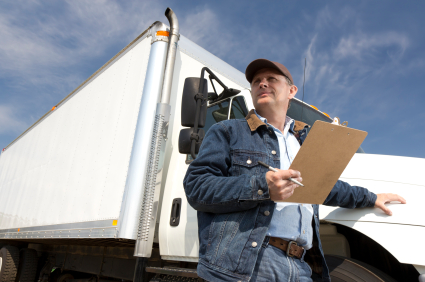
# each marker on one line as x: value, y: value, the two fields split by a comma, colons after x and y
x: 275, y: 170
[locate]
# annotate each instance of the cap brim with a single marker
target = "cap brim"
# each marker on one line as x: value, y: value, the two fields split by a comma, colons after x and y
x: 258, y: 64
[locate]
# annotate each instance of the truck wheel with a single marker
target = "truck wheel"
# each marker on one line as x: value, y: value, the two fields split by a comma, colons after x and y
x: 9, y: 261
x: 343, y: 269
x: 27, y: 265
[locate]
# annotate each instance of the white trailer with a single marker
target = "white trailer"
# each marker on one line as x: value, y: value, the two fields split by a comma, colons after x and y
x: 94, y: 189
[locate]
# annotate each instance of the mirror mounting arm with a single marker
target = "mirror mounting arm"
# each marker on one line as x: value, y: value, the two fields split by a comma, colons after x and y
x: 194, y: 137
x: 227, y: 92
x: 212, y: 76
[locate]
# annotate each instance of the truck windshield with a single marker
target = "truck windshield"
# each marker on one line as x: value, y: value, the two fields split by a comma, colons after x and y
x: 309, y: 114
x: 216, y: 113
x: 302, y: 112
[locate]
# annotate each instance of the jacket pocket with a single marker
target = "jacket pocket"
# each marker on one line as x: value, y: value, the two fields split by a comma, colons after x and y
x: 246, y: 162
x: 227, y: 238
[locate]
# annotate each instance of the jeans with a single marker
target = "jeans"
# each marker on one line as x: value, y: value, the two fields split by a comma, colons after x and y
x: 274, y: 265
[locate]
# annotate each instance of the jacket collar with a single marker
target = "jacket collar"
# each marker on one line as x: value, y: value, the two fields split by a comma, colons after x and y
x: 254, y: 123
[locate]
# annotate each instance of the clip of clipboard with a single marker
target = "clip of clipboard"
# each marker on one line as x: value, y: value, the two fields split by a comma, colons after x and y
x: 322, y: 159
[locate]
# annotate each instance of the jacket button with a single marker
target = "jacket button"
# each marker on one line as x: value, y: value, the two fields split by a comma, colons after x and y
x: 249, y: 162
x: 260, y: 192
x: 266, y: 213
x: 254, y: 244
x: 273, y: 152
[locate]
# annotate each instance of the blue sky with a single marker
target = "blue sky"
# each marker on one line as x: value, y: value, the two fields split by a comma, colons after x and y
x: 365, y: 59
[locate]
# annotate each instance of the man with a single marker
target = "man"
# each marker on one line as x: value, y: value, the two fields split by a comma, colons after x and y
x: 245, y: 233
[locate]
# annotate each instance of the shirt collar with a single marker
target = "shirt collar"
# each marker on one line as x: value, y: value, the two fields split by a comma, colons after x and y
x: 289, y: 123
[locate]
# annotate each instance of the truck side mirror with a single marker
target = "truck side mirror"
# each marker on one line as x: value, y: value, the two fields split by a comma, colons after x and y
x: 193, y: 114
x: 185, y: 140
x: 191, y: 94
x: 194, y: 109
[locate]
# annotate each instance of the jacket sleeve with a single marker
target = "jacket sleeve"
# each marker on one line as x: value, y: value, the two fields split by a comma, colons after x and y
x: 208, y: 185
x: 347, y: 196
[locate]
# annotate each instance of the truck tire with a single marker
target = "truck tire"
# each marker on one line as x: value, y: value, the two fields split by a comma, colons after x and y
x: 343, y: 269
x: 9, y: 261
x: 27, y: 265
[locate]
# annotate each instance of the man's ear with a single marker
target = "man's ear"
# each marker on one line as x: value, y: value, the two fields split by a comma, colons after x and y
x: 292, y: 91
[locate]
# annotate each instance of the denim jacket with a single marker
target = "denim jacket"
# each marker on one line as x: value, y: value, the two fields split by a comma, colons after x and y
x: 228, y: 188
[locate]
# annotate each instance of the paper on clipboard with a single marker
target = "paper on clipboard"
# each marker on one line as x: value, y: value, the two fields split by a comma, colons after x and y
x: 322, y: 158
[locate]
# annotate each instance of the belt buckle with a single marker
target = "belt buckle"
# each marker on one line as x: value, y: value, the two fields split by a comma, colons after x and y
x: 289, y: 248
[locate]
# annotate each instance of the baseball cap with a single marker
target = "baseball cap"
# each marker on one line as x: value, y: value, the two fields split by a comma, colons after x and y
x: 258, y: 64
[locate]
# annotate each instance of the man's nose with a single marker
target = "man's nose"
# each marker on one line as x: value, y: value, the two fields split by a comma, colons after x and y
x: 263, y: 83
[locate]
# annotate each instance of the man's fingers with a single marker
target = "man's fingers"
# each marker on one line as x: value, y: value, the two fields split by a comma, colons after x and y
x: 299, y: 179
x: 384, y: 198
x: 388, y: 197
x: 280, y: 187
x: 384, y: 208
x: 294, y: 173
x: 395, y: 197
x: 288, y: 191
x: 285, y: 174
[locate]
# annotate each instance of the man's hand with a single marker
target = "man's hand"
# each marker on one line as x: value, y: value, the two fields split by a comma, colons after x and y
x: 280, y: 188
x: 386, y: 198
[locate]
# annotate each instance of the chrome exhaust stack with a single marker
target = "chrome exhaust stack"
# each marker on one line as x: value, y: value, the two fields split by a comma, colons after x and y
x: 171, y: 55
x: 152, y: 185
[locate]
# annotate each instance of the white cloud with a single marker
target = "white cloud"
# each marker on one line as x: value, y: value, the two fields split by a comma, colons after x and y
x: 204, y: 27
x: 235, y: 41
x: 42, y: 47
x: 363, y: 46
x: 342, y: 56
x: 9, y: 121
x: 22, y: 50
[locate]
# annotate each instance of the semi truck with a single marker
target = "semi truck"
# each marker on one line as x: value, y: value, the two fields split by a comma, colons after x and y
x: 93, y: 190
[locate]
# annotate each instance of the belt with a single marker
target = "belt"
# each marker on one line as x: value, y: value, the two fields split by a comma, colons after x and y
x: 290, y: 247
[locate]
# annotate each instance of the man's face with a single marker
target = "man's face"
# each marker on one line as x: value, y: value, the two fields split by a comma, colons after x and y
x: 270, y: 90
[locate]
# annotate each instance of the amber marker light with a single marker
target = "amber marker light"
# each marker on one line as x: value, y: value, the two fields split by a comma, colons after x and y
x: 115, y: 222
x: 314, y: 107
x: 326, y: 114
x: 53, y: 108
x: 19, y: 229
x: 162, y: 33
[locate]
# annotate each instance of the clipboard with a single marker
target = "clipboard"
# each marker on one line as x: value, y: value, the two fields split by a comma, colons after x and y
x: 322, y: 159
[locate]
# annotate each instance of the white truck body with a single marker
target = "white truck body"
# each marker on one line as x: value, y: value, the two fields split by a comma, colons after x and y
x: 388, y: 174
x: 78, y: 173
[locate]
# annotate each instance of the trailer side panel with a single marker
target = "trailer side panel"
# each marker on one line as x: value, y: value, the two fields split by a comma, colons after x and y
x: 71, y: 167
